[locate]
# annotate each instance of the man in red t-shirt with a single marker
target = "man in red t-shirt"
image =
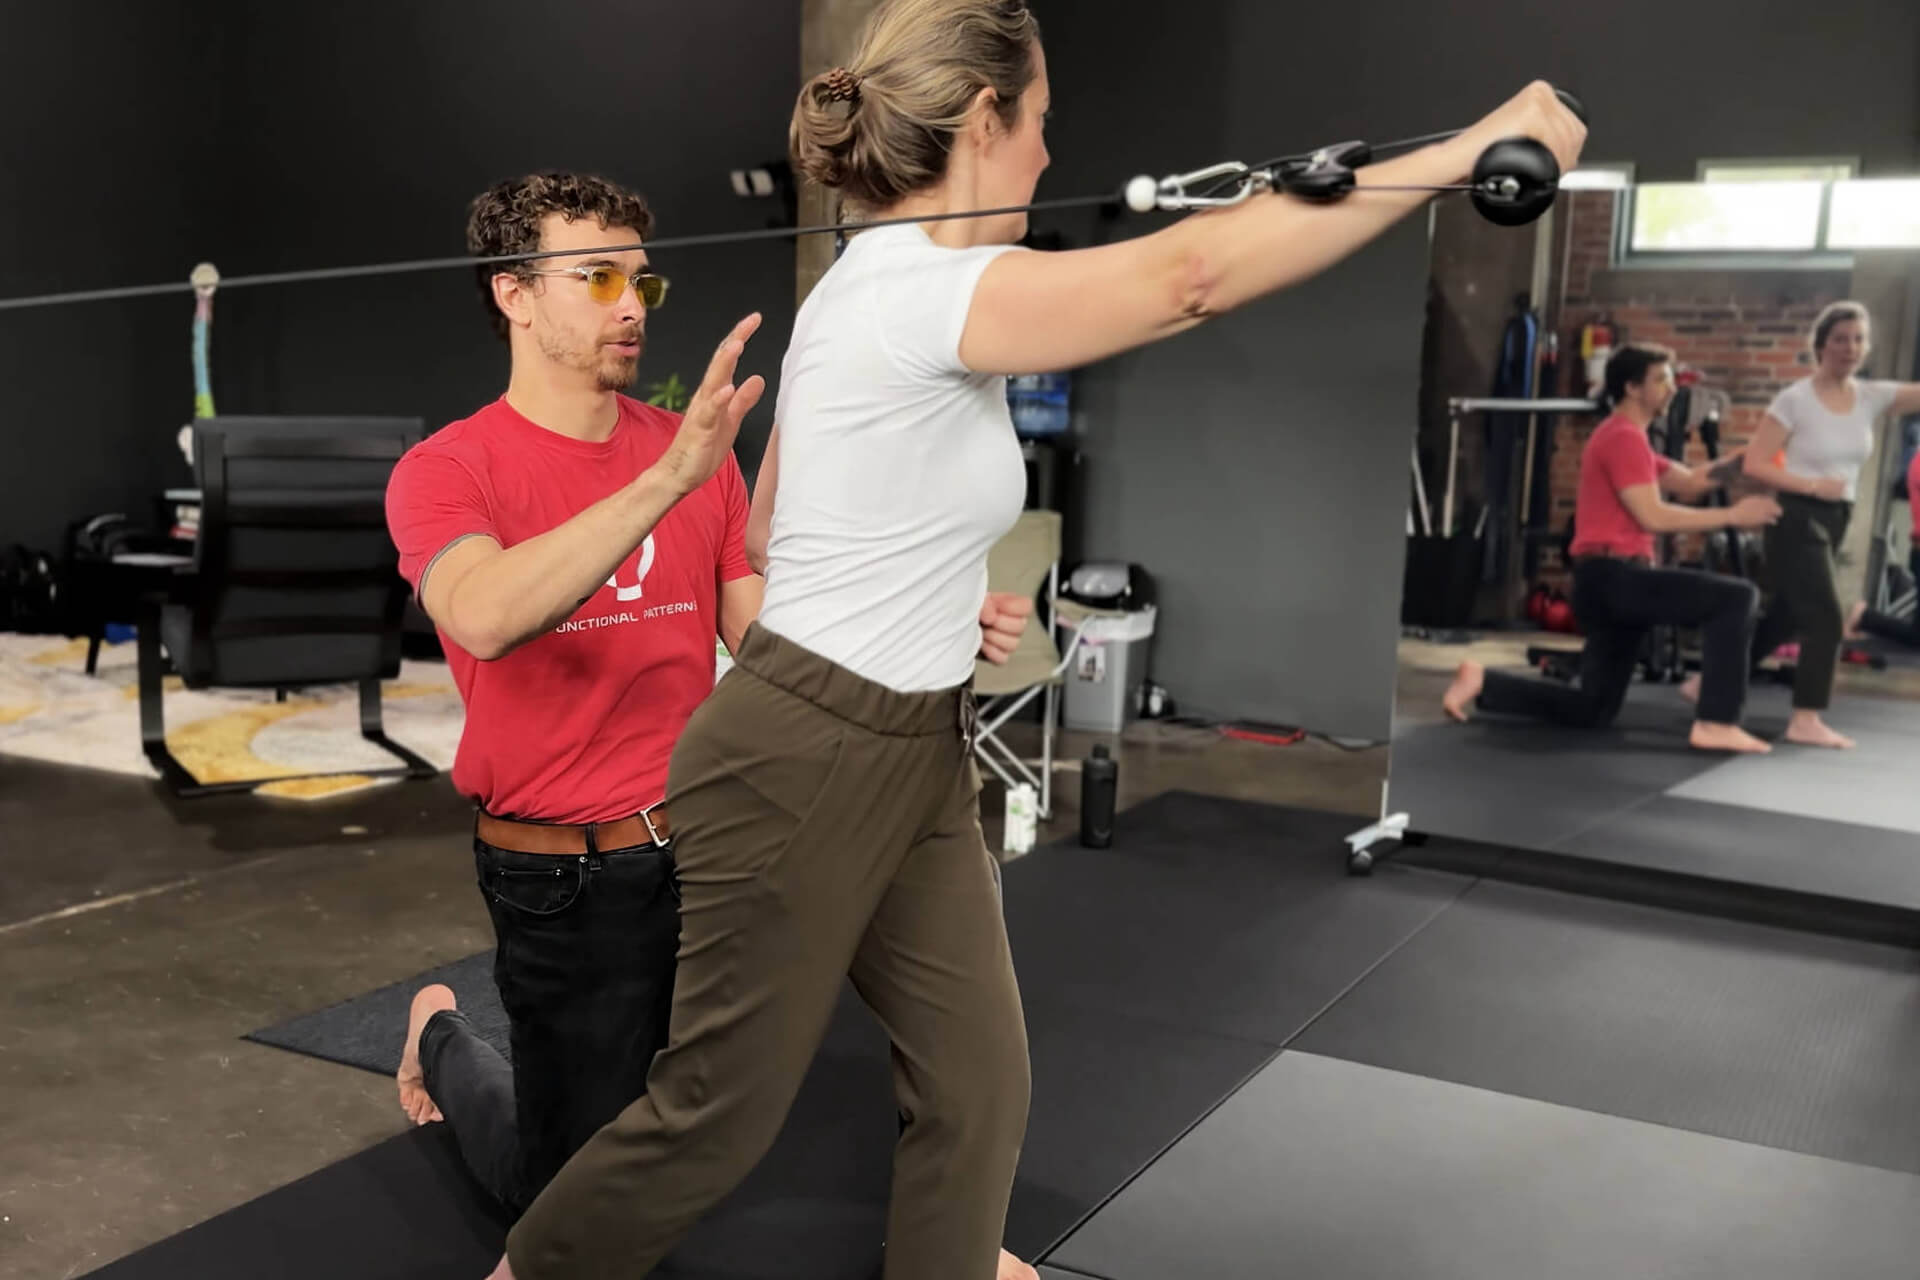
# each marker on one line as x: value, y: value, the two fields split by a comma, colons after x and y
x: 1618, y: 593
x: 578, y: 553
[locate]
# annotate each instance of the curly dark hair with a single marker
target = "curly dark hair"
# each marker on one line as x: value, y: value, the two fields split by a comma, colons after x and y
x: 1628, y: 367
x: 505, y: 219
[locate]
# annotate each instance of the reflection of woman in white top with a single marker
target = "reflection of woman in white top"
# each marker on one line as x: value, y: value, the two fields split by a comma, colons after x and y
x: 1816, y: 436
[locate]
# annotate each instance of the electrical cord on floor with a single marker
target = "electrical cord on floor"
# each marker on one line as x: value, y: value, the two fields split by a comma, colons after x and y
x: 1266, y: 734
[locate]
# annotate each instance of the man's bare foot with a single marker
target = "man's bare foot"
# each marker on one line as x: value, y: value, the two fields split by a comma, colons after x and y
x: 1011, y: 1268
x: 1690, y: 689
x: 1809, y: 730
x: 1466, y: 686
x: 1725, y: 737
x: 1853, y: 631
x: 413, y: 1085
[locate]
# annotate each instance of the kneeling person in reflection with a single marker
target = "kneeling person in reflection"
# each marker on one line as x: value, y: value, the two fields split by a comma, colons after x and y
x: 1618, y: 593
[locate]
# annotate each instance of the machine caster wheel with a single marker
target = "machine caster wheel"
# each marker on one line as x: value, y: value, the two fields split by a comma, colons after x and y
x: 1360, y: 843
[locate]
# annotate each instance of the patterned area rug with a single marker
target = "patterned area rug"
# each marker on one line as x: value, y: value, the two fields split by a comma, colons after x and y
x: 52, y: 710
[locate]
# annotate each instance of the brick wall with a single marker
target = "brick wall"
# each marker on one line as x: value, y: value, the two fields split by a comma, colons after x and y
x: 1745, y: 331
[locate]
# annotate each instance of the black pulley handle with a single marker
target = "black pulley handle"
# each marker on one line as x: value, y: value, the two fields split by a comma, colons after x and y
x: 1514, y: 181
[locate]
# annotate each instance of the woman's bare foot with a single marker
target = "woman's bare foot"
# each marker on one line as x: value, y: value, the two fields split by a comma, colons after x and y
x: 1011, y: 1268
x: 413, y: 1085
x: 1809, y: 730
x: 1466, y: 686
x: 1690, y: 689
x: 1852, y: 630
x: 1707, y: 736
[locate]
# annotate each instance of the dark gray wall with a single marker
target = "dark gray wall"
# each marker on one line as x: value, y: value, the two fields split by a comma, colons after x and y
x: 107, y: 150
x: 1258, y: 467
x: 315, y: 136
x: 370, y: 125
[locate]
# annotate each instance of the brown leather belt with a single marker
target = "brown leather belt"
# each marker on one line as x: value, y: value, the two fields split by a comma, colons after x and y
x: 650, y: 827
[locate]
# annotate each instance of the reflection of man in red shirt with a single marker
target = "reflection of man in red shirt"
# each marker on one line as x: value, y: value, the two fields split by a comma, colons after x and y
x: 1618, y: 594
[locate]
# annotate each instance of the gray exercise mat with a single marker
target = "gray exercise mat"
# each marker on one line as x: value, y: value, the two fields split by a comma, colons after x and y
x: 1763, y: 1035
x: 1877, y: 784
x: 1341, y: 1171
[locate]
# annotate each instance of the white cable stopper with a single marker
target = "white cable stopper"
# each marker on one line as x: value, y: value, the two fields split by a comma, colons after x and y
x: 1143, y: 194
x: 205, y: 278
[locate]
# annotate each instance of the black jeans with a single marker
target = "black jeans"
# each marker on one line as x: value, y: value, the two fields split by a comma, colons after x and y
x: 1617, y: 602
x: 584, y: 959
x: 1803, y: 549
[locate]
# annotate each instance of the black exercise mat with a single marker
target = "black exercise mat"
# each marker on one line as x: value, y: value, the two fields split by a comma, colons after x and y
x: 1109, y: 1093
x: 1337, y: 1171
x: 1157, y: 975
x: 1216, y: 916
x: 1604, y: 795
x: 1536, y: 786
x: 367, y: 1031
x: 403, y: 1210
x: 1751, y: 846
x: 1769, y: 1036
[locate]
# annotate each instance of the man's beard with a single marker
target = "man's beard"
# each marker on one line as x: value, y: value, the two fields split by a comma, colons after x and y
x: 611, y: 372
x: 616, y: 373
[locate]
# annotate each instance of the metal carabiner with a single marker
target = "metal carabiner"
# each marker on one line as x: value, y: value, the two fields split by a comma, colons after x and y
x: 1169, y: 194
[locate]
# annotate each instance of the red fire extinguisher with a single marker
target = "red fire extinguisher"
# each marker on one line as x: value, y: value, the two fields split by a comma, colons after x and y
x: 1596, y: 348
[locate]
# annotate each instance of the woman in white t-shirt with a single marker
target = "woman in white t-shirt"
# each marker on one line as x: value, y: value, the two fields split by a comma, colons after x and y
x: 1810, y: 447
x: 824, y: 798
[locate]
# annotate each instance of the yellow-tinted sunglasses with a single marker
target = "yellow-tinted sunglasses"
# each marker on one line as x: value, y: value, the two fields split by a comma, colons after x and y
x: 607, y: 285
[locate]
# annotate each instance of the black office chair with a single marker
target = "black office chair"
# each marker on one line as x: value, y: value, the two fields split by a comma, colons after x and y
x: 295, y: 581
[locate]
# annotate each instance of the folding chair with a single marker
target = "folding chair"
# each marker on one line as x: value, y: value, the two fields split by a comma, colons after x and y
x: 1024, y: 562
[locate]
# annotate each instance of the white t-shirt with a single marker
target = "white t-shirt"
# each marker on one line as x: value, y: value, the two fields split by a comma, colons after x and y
x: 1824, y: 445
x: 898, y: 467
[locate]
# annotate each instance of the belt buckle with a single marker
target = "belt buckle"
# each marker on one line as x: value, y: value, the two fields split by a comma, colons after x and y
x: 969, y: 719
x: 653, y: 832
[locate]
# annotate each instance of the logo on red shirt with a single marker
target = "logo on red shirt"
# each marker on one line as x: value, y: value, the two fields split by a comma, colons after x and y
x: 641, y: 565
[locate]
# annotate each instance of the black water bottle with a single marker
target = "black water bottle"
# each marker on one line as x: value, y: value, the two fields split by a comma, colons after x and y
x: 1099, y: 783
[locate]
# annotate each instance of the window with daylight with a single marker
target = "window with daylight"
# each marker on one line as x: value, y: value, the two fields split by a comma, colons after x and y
x: 1770, y: 208
x: 1879, y: 213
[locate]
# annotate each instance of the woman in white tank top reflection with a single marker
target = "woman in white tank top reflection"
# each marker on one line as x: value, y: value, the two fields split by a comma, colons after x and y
x: 1810, y: 447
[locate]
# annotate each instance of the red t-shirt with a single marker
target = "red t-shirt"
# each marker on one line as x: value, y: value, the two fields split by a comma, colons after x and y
x: 1913, y: 494
x: 1617, y: 457
x: 576, y: 725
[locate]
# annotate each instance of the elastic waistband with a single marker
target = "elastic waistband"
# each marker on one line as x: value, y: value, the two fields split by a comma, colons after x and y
x: 831, y: 687
x: 1818, y: 504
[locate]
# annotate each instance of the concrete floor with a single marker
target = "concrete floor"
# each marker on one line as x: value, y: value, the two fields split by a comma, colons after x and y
x: 141, y: 937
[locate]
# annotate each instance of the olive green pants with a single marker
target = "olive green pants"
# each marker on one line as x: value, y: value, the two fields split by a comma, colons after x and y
x: 1803, y: 553
x: 826, y: 828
